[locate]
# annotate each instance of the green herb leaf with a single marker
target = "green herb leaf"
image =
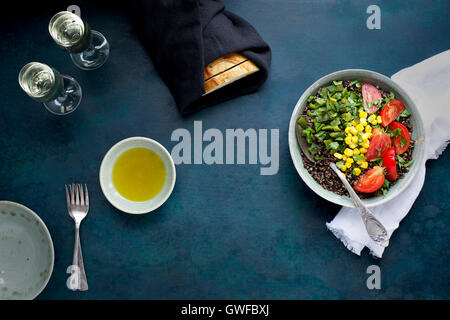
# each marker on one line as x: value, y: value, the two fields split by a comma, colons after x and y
x: 397, y: 132
x: 403, y: 142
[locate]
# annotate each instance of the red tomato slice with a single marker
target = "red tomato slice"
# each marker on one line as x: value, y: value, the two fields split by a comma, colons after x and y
x: 371, y: 181
x: 389, y: 164
x: 379, y: 144
x: 404, y: 136
x: 370, y: 93
x: 376, y: 131
x: 391, y: 111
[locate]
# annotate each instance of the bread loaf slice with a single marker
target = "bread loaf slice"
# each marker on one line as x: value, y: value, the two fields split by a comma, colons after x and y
x: 226, y: 70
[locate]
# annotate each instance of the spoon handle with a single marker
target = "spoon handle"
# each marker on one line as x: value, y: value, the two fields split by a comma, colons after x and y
x: 375, y: 229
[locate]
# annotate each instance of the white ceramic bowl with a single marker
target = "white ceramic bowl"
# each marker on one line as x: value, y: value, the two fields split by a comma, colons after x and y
x: 26, y: 253
x: 384, y: 83
x: 107, y: 185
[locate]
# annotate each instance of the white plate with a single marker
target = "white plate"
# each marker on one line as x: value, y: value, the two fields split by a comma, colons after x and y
x: 26, y: 253
x: 107, y: 185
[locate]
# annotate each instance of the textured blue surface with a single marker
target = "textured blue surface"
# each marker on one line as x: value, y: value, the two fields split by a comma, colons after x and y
x: 226, y: 231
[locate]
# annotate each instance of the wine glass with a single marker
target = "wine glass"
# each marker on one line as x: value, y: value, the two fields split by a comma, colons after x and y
x: 88, y: 49
x: 59, y: 93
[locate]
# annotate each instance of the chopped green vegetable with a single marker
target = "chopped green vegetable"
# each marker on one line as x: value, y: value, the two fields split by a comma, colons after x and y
x: 405, y: 114
x: 409, y: 163
x: 313, y: 150
x: 302, y: 122
x: 359, y: 157
x: 321, y: 135
x: 391, y: 97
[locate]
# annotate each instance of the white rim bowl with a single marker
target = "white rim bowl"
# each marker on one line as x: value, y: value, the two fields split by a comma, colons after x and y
x: 385, y: 83
x: 32, y: 221
x: 107, y: 185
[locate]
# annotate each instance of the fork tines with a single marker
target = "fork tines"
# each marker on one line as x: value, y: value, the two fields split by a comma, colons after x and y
x: 76, y: 195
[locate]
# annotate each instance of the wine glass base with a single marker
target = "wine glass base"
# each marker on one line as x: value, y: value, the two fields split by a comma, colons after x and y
x: 94, y: 56
x: 68, y: 100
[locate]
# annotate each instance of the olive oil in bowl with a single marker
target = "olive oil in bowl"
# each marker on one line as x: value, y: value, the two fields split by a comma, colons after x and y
x: 139, y: 174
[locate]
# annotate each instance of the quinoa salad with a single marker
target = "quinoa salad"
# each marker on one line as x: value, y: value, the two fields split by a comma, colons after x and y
x: 361, y: 128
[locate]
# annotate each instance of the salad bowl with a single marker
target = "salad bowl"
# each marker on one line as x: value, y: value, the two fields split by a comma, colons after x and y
x: 384, y: 83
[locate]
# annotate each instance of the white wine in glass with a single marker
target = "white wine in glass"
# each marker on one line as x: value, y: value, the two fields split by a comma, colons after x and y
x: 59, y: 93
x: 88, y: 49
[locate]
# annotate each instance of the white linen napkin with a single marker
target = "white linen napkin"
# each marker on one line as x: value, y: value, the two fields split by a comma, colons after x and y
x: 428, y: 84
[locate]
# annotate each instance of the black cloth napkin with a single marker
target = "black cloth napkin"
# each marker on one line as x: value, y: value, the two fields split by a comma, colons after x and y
x: 184, y: 36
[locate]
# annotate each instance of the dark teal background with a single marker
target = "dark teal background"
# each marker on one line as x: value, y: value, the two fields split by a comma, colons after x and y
x: 226, y: 232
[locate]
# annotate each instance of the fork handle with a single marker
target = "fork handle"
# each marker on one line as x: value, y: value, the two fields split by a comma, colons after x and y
x: 78, y: 260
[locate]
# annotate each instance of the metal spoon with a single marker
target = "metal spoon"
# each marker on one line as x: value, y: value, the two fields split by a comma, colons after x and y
x: 302, y: 142
x: 374, y: 227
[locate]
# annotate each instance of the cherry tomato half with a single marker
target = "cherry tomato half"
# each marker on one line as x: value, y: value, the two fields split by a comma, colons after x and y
x: 371, y: 94
x: 376, y: 131
x: 389, y: 164
x: 391, y: 111
x: 379, y: 144
x: 402, y: 141
x: 371, y: 181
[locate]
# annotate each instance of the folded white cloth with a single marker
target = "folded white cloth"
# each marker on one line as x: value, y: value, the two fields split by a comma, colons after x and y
x: 428, y: 84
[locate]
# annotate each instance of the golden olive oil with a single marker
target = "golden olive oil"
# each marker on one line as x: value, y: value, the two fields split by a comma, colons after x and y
x: 139, y: 174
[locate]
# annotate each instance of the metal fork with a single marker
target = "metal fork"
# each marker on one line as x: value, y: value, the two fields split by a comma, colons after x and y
x: 78, y: 207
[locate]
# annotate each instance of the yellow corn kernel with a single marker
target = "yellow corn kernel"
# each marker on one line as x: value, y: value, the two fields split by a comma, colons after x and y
x: 364, y: 165
x: 350, y: 160
x: 343, y: 168
x: 354, y: 139
x: 379, y: 120
x: 368, y: 129
x: 369, y: 135
x: 363, y: 114
x: 347, y: 130
x: 353, y: 131
x: 357, y: 171
x: 359, y: 162
x: 344, y: 157
x: 359, y: 128
x: 365, y: 145
x: 356, y: 151
x: 372, y: 117
x: 374, y: 122
x: 338, y: 155
x: 363, y: 121
x: 354, y: 123
x: 348, y: 152
x: 353, y: 146
x: 362, y: 150
x: 348, y: 140
x: 348, y: 165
